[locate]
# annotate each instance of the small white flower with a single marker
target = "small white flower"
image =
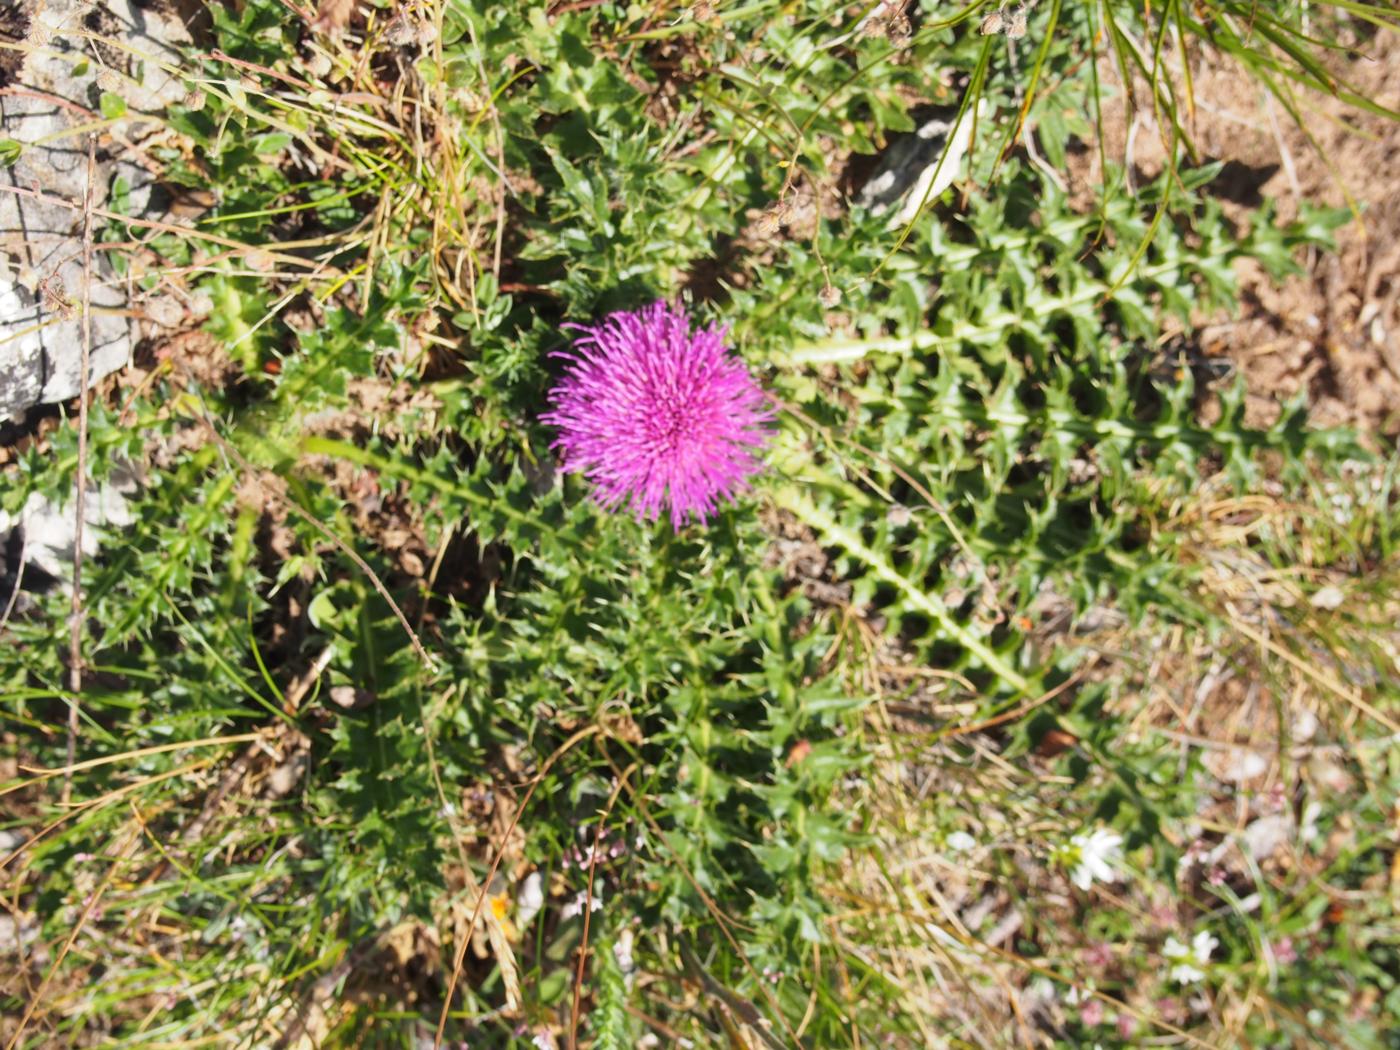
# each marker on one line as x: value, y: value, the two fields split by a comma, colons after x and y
x: 960, y: 841
x: 1042, y: 988
x: 1307, y: 832
x: 543, y: 1040
x: 1188, y: 961
x: 1093, y: 856
x: 575, y: 904
x: 529, y: 899
x: 622, y: 953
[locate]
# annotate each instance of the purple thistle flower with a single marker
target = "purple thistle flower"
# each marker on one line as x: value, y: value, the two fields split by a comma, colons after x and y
x: 658, y: 415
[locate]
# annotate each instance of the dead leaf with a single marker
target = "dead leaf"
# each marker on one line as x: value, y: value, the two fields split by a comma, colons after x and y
x: 1055, y: 742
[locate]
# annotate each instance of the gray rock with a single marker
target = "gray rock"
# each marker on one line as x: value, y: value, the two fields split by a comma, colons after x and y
x: 49, y: 530
x: 61, y: 81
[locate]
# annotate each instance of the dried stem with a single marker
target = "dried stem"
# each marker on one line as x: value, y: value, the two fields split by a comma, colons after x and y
x: 75, y: 614
x: 94, y: 898
x: 460, y: 953
x: 574, y: 1013
x: 19, y: 577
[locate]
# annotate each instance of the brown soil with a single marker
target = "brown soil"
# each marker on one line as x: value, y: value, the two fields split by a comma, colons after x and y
x: 1333, y: 332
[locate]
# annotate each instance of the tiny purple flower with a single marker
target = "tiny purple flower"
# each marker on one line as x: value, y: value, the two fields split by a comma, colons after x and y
x: 658, y: 415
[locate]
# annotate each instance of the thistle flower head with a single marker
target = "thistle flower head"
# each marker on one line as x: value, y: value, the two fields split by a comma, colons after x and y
x: 658, y: 415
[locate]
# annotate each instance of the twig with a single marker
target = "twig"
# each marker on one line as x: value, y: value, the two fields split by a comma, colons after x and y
x: 723, y: 922
x: 187, y: 231
x: 459, y: 956
x: 238, y: 768
x: 1023, y: 709
x: 142, y: 752
x: 57, y: 100
x: 19, y: 576
x: 1327, y: 681
x: 300, y: 686
x: 588, y: 905
x: 123, y: 852
x: 75, y: 611
x: 296, y: 82
x: 77, y: 809
x: 661, y: 1026
x: 725, y: 999
x: 305, y: 13
x: 1283, y: 152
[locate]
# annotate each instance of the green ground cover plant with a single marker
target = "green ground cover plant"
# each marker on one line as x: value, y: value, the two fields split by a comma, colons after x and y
x: 389, y: 735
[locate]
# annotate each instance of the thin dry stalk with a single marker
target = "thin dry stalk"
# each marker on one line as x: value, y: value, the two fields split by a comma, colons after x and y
x: 75, y: 613
x: 459, y: 956
x: 78, y: 809
x: 184, y: 231
x: 122, y: 853
x: 722, y: 921
x: 19, y: 580
x: 588, y: 902
x: 92, y: 763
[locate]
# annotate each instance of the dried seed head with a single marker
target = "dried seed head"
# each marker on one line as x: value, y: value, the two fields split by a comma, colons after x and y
x: 778, y: 215
x: 194, y: 100
x: 767, y: 224
x: 829, y: 296
x: 468, y: 99
x: 993, y: 23
x: 401, y: 32
x: 55, y: 298
x: 887, y: 20
x: 899, y: 30
x: 1016, y: 26
x: 702, y: 11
